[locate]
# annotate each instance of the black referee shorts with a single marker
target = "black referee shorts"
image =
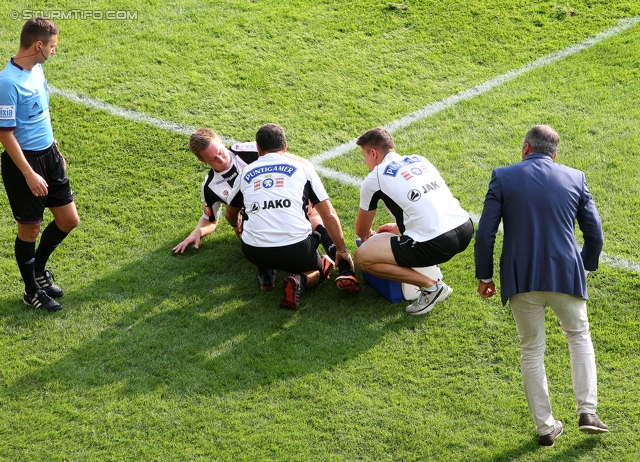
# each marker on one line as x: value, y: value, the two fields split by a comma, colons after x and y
x: 27, y: 208
x: 295, y: 258
x: 412, y: 254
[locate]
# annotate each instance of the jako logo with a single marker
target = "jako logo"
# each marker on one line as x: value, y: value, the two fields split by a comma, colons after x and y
x: 277, y: 204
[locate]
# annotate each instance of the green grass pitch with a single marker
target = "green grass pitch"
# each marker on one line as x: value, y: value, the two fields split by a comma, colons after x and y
x: 173, y: 358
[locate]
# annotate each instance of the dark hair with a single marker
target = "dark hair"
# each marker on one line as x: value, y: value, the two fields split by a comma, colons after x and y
x: 543, y: 138
x: 35, y: 29
x: 270, y: 138
x: 379, y: 138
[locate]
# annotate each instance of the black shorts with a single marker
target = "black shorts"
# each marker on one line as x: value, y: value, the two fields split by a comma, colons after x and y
x: 295, y: 258
x: 411, y: 254
x: 27, y: 208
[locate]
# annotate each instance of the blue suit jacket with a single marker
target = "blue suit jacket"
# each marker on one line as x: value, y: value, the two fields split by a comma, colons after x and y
x: 538, y: 202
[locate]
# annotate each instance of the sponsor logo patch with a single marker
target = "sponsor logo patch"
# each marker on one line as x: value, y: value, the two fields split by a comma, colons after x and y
x: 406, y: 175
x: 7, y: 112
x: 277, y: 204
x: 285, y: 169
x: 267, y: 183
x: 393, y: 167
x: 279, y: 182
x: 430, y: 186
x: 256, y: 185
x: 253, y: 208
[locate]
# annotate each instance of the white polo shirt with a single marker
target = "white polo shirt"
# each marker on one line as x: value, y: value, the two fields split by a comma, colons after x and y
x: 415, y: 194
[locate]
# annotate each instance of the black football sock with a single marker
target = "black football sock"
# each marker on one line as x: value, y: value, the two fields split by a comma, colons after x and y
x: 327, y: 243
x: 344, y: 267
x: 52, y: 236
x: 25, y: 256
x: 302, y: 278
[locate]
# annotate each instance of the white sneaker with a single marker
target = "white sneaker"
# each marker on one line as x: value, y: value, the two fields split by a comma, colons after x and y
x: 426, y: 300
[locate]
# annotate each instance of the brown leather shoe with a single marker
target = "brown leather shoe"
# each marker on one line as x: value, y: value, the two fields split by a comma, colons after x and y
x: 591, y: 423
x: 550, y: 439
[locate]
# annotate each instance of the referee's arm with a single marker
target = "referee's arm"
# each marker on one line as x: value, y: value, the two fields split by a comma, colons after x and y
x: 37, y: 184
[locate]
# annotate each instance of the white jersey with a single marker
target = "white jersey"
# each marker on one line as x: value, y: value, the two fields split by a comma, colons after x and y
x: 275, y: 191
x: 217, y: 186
x: 415, y: 194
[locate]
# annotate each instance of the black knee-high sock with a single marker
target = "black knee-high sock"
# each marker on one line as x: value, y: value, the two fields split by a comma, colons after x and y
x: 327, y: 243
x: 52, y: 236
x: 330, y: 248
x: 25, y: 256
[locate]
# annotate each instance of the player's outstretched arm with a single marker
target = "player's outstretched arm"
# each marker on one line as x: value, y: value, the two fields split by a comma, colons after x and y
x: 203, y: 228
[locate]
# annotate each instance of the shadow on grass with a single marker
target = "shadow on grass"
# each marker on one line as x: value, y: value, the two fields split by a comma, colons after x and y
x: 198, y: 324
x: 560, y: 453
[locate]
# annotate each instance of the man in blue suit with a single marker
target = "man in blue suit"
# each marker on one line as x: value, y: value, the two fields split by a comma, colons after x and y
x: 542, y: 265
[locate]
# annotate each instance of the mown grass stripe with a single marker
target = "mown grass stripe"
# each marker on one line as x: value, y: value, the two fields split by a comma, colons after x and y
x: 427, y: 111
x: 451, y: 101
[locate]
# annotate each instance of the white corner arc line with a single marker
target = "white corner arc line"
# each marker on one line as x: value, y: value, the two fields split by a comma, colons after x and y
x: 450, y: 101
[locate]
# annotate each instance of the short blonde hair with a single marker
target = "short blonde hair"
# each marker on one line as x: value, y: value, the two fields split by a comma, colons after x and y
x: 201, y: 139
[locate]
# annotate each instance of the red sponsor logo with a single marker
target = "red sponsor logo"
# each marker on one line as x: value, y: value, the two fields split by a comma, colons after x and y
x: 407, y: 175
x: 208, y: 212
x: 256, y: 185
x: 279, y: 182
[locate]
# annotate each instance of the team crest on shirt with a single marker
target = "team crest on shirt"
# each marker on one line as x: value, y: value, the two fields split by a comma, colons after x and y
x: 267, y: 183
x: 416, y: 171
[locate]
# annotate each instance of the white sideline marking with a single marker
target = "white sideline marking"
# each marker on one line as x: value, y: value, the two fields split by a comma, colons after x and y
x: 427, y: 111
x: 605, y: 259
x: 127, y: 113
x: 450, y: 101
x: 120, y: 112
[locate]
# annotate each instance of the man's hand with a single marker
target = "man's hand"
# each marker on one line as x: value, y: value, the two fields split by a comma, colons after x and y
x: 193, y: 238
x: 486, y: 289
x: 389, y: 228
x: 238, y: 229
x: 344, y: 256
x: 38, y: 186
